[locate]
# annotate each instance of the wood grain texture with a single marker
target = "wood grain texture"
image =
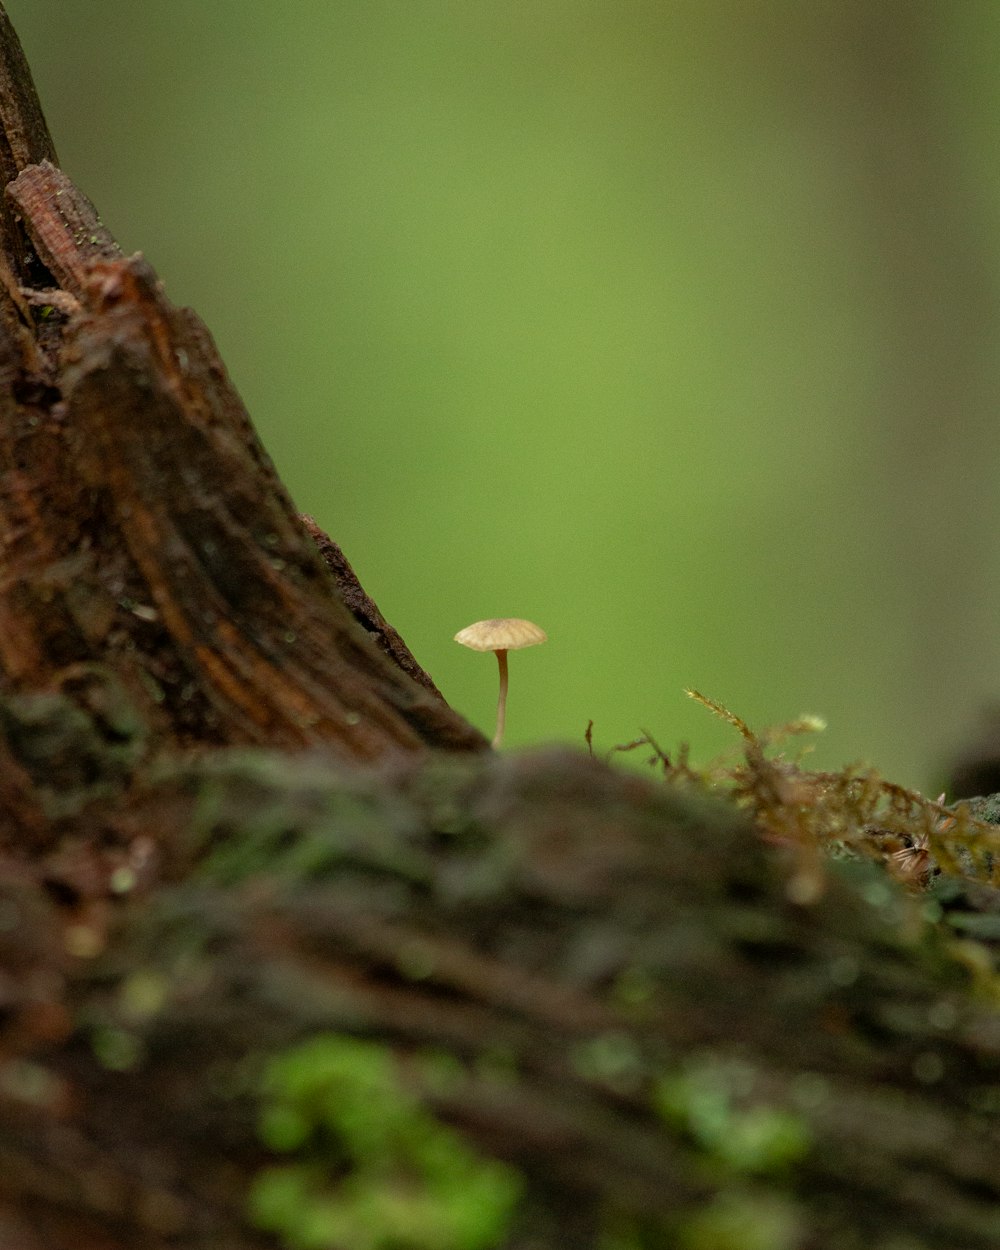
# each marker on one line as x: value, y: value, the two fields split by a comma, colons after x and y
x: 145, y: 528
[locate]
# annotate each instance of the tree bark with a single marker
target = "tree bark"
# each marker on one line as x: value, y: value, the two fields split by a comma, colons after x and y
x: 289, y: 957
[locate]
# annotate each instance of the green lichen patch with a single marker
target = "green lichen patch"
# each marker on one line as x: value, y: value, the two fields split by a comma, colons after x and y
x: 367, y: 1166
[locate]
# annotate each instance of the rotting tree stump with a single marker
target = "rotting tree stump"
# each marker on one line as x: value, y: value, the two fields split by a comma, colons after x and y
x: 289, y: 957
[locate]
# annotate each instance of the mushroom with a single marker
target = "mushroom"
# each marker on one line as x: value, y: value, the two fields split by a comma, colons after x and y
x: 501, y: 636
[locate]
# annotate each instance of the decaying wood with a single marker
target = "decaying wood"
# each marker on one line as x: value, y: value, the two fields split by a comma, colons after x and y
x: 145, y: 529
x: 363, y: 608
x: 575, y: 941
x: 236, y: 815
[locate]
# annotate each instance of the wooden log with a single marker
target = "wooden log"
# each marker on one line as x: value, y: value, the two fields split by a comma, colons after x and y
x: 599, y: 982
x: 144, y: 530
x: 288, y: 958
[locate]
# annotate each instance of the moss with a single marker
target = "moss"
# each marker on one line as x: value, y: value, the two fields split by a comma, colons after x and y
x: 634, y: 991
x: 30, y: 1083
x: 854, y: 813
x: 368, y: 1167
x: 611, y: 1058
x: 143, y: 994
x: 623, y: 1231
x: 118, y: 1050
x: 79, y: 743
x: 741, y: 1217
x: 742, y: 1221
x: 255, y: 813
x: 710, y: 1101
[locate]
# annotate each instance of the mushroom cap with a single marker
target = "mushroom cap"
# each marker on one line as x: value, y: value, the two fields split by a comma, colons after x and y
x: 501, y: 634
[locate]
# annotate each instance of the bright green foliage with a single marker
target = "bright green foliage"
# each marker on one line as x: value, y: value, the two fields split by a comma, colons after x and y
x: 708, y: 1101
x: 370, y: 1168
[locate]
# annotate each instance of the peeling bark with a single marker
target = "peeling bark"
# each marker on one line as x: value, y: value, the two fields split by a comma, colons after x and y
x: 145, y: 529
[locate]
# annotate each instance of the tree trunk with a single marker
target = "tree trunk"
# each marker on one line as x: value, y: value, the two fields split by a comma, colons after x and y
x: 289, y: 957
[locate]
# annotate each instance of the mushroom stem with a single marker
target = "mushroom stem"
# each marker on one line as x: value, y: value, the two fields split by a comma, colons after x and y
x: 502, y: 699
x: 499, y: 635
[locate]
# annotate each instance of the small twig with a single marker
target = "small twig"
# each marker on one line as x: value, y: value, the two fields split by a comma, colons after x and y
x: 63, y: 226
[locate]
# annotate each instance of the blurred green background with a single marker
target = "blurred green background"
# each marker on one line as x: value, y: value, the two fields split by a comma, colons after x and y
x: 669, y: 325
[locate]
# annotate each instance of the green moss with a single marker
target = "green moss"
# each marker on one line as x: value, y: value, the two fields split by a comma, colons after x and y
x: 611, y: 1058
x: 79, y: 743
x: 118, y: 1050
x: 742, y: 1221
x: 710, y: 1102
x: 634, y: 991
x: 29, y: 1083
x: 627, y: 1231
x: 142, y: 995
x: 368, y: 1166
x: 255, y: 812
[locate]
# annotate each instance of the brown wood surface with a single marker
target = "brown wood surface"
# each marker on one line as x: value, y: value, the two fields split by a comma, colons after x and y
x: 144, y: 528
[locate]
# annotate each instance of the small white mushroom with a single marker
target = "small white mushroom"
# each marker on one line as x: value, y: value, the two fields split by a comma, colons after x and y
x: 500, y: 636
